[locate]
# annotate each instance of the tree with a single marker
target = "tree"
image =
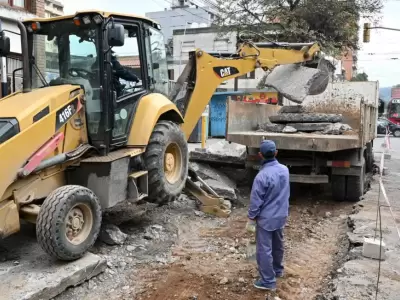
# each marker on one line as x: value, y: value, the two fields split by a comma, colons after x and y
x: 360, y: 77
x: 333, y: 23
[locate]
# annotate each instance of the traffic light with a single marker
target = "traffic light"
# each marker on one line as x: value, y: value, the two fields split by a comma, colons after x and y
x: 367, y: 32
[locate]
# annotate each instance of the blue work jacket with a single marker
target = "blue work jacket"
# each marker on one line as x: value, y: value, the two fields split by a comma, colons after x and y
x: 269, y: 200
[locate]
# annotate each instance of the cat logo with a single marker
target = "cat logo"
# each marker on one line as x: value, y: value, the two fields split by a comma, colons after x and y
x: 223, y: 72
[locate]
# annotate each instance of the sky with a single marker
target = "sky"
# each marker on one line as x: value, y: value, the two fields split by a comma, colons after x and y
x: 375, y: 58
x: 384, y: 46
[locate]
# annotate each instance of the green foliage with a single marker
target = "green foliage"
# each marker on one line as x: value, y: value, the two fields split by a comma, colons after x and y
x: 333, y: 23
x: 360, y: 77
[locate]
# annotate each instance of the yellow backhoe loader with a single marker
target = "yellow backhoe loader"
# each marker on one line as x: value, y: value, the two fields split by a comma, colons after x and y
x: 73, y: 143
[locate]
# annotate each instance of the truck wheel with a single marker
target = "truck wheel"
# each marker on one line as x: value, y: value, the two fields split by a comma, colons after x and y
x: 355, y: 188
x: 166, y: 160
x: 347, y: 188
x: 338, y: 183
x: 69, y: 222
x: 369, y: 158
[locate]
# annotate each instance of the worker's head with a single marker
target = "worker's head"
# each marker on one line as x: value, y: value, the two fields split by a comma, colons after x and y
x: 268, y: 149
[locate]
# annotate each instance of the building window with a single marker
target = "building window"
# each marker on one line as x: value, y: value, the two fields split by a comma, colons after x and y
x: 171, y: 74
x: 15, y: 3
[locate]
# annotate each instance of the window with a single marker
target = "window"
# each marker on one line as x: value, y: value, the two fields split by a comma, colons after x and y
x: 16, y: 3
x: 159, y: 61
x: 66, y: 54
x: 171, y: 74
x: 129, y: 64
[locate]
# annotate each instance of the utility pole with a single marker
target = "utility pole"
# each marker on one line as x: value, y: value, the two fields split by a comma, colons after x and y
x: 180, y: 58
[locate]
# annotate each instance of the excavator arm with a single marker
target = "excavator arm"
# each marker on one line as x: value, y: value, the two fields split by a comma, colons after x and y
x: 206, y: 71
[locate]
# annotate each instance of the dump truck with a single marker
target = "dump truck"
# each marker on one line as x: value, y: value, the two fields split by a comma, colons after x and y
x: 314, y: 157
x: 83, y: 141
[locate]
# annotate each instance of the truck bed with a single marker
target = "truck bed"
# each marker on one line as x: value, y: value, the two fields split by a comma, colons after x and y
x: 296, y: 141
x: 357, y: 102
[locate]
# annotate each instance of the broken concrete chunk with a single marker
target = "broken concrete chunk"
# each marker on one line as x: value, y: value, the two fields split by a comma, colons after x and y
x: 205, y: 171
x: 310, y: 127
x: 307, y: 118
x: 289, y: 129
x: 271, y: 127
x: 222, y: 152
x: 221, y: 189
x: 295, y: 82
x: 41, y: 277
x: 112, y: 235
x: 336, y: 129
x: 292, y: 109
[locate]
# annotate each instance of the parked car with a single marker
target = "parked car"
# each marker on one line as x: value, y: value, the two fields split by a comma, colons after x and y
x: 383, y: 124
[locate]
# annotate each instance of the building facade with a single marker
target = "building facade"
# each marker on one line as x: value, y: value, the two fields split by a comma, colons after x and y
x: 18, y: 10
x: 53, y: 8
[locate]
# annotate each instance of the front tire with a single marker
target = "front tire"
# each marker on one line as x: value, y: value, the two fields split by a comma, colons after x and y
x: 166, y: 160
x: 69, y: 222
x: 396, y: 133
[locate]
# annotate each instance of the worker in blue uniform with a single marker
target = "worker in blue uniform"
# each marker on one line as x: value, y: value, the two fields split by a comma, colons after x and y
x: 268, y: 212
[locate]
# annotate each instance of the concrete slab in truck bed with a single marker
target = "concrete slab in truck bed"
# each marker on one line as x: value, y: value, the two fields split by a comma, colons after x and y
x: 296, y: 141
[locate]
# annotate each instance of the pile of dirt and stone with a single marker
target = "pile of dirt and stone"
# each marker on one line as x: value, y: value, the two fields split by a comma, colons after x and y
x: 293, y: 119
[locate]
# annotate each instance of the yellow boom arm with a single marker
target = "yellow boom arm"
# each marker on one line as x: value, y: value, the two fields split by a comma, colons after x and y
x: 205, y: 72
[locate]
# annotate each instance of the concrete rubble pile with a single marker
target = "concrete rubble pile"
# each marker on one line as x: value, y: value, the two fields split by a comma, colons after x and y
x: 294, y: 119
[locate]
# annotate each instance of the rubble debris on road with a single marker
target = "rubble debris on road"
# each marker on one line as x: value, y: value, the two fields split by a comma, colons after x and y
x: 222, y: 189
x: 359, y: 274
x: 205, y: 172
x: 112, y: 235
x: 37, y: 276
x: 222, y: 152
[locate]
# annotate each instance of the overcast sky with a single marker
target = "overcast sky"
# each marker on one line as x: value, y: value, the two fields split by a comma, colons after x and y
x: 384, y: 45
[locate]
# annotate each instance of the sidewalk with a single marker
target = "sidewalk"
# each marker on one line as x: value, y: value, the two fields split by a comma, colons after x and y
x: 358, y: 277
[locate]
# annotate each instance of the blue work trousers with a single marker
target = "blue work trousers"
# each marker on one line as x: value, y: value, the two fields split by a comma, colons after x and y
x: 269, y: 255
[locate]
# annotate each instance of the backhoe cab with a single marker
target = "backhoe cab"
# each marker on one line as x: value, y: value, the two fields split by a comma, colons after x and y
x: 85, y: 134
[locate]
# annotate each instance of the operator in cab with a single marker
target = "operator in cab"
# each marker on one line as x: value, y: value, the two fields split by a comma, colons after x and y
x: 268, y: 212
x: 120, y: 71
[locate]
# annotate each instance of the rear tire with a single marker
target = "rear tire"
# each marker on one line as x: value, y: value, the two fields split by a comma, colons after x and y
x: 166, y: 160
x: 348, y: 188
x: 396, y: 133
x: 338, y: 183
x: 69, y: 222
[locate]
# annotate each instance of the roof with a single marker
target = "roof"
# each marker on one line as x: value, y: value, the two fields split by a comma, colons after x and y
x: 129, y: 61
x: 102, y: 13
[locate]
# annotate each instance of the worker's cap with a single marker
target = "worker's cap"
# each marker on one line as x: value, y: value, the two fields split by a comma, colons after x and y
x: 268, y: 148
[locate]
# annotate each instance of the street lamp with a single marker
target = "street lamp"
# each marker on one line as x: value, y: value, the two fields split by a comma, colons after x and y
x: 180, y: 58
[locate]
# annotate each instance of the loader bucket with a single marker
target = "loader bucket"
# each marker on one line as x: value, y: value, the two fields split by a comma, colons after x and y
x: 296, y: 81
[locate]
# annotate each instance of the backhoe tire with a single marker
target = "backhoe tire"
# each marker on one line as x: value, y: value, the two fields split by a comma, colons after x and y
x: 69, y: 222
x: 166, y: 160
